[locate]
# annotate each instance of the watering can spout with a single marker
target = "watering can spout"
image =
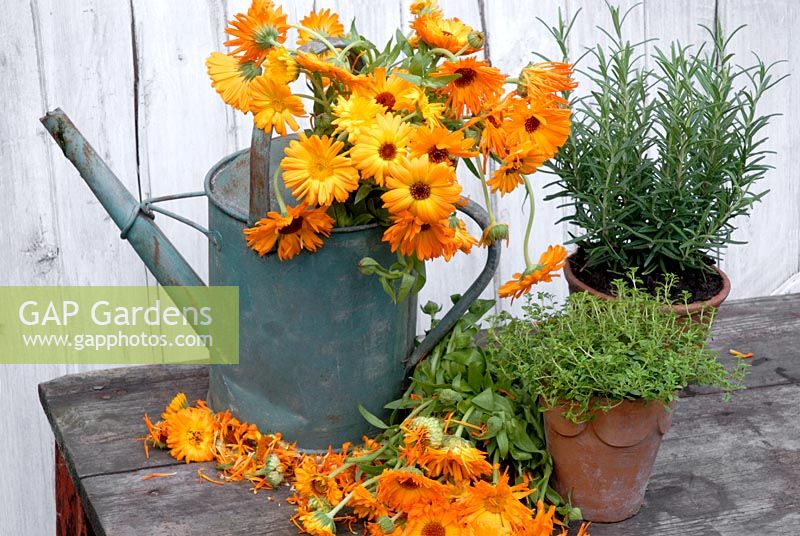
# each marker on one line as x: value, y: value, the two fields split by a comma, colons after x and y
x: 135, y: 223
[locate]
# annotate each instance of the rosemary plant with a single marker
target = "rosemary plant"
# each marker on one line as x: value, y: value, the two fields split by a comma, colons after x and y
x: 662, y: 159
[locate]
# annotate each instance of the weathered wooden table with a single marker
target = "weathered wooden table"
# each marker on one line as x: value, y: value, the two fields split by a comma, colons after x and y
x: 725, y: 468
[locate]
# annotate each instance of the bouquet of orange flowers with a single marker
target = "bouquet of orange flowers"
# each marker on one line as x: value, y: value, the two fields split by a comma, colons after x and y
x: 387, y: 129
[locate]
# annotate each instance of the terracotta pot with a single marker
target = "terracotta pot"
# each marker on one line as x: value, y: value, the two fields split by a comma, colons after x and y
x: 692, y: 310
x: 604, y: 464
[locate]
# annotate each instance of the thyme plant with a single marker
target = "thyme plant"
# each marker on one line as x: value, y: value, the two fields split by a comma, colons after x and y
x: 595, y: 353
x: 662, y: 159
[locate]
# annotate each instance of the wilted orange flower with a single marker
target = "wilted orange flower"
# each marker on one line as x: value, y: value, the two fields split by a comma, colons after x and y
x: 548, y: 77
x: 190, y: 435
x: 403, y: 489
x: 324, y: 22
x: 392, y: 92
x: 365, y: 505
x: 309, y: 481
x: 380, y: 151
x: 540, y: 121
x: 435, y: 520
x: 316, y: 172
x: 274, y: 106
x: 299, y: 229
x: 339, y: 72
x: 231, y: 78
x: 542, y: 524
x: 256, y: 32
x: 523, y: 161
x: 457, y: 459
x: 441, y: 145
x: 427, y: 190
x: 497, y: 509
x: 438, y: 32
x: 550, y: 261
x: 493, y: 135
x: 462, y: 241
x: 412, y: 236
x: 478, y: 84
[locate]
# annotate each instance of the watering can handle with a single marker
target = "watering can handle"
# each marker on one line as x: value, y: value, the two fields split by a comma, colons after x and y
x: 479, y: 215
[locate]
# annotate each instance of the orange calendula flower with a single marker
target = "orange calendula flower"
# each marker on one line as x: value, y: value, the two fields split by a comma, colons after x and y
x: 365, y: 505
x: 274, y: 106
x: 318, y: 524
x: 392, y: 92
x: 309, y: 481
x: 256, y: 32
x: 299, y: 229
x: 457, y: 459
x: 435, y: 519
x: 354, y: 114
x: 462, y: 241
x: 550, y: 262
x: 438, y: 32
x: 412, y: 236
x: 431, y: 111
x: 422, y: 7
x: 478, y: 84
x: 403, y: 489
x: 540, y: 121
x: 380, y: 151
x: 441, y: 145
x: 523, y: 161
x: 316, y: 172
x: 312, y: 63
x: 419, y: 434
x: 498, y: 509
x: 190, y: 435
x: 324, y: 22
x: 231, y: 78
x: 543, y: 522
x: 493, y: 135
x: 178, y: 403
x: 548, y: 77
x: 280, y: 66
x: 427, y: 190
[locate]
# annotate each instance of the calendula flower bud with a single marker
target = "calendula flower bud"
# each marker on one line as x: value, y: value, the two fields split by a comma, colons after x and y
x: 493, y: 233
x: 274, y: 478
x: 434, y: 427
x: 476, y: 39
x: 522, y: 81
x: 431, y: 308
x: 386, y: 524
x: 272, y: 462
x: 368, y: 266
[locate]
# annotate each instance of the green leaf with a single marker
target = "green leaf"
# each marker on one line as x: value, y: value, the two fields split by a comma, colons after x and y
x: 372, y: 419
x: 484, y: 400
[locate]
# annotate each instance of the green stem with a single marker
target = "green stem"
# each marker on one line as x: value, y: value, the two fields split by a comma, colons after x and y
x: 467, y: 415
x: 349, y: 496
x: 486, y: 198
x: 444, y: 52
x: 318, y: 36
x: 310, y: 97
x: 278, y: 192
x: 532, y: 202
x: 341, y: 55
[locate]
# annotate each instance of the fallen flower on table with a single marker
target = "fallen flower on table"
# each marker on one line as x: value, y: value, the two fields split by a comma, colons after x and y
x: 416, y: 481
x: 737, y: 353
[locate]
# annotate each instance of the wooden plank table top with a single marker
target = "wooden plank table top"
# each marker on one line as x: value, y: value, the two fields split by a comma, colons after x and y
x: 725, y: 468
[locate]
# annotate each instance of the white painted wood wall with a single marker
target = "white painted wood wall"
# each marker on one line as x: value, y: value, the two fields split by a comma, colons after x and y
x: 131, y: 76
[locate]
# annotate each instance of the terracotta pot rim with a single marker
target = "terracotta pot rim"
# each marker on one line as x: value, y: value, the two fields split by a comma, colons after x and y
x: 682, y: 310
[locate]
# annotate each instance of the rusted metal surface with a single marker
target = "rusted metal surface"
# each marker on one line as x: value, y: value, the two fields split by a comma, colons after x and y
x: 70, y: 517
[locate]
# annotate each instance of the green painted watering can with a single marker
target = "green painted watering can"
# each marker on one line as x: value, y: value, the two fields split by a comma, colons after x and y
x: 316, y: 336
